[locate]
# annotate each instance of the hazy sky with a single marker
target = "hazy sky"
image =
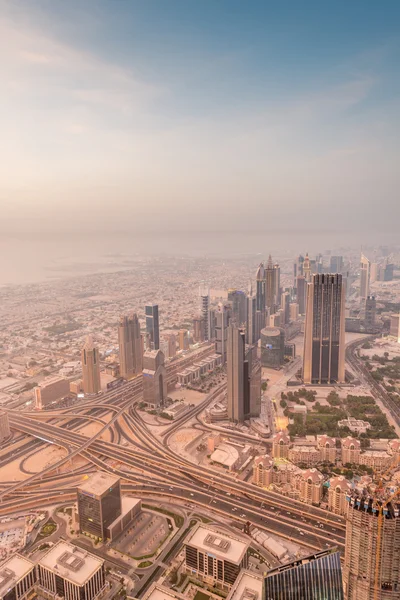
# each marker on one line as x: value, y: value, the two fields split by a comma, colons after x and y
x: 207, y: 115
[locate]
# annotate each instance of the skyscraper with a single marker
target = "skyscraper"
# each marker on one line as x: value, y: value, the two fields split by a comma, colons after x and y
x: 365, y: 275
x: 316, y: 577
x: 272, y: 284
x: 372, y: 555
x: 285, y: 306
x: 251, y: 337
x: 301, y: 294
x: 307, y: 269
x: 237, y: 299
x: 222, y: 316
x: 204, y: 294
x: 130, y: 346
x: 336, y: 264
x: 90, y: 368
x: 154, y: 378
x: 198, y: 329
x: 99, y: 503
x: 324, y: 344
x: 260, y: 287
x: 236, y: 373
x: 152, y: 325
x: 370, y: 314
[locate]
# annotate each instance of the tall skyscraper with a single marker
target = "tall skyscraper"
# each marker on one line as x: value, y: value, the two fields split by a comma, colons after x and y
x: 272, y: 282
x: 237, y: 299
x: 152, y: 325
x: 365, y: 275
x: 316, y: 577
x: 222, y: 317
x: 154, y: 378
x: 198, y: 329
x: 251, y: 337
x: 130, y: 346
x: 336, y: 265
x: 370, y: 314
x: 324, y: 343
x: 236, y: 373
x: 307, y: 269
x: 285, y: 306
x: 90, y: 367
x: 204, y: 294
x: 301, y: 294
x: 260, y: 287
x: 372, y: 554
x: 212, y: 322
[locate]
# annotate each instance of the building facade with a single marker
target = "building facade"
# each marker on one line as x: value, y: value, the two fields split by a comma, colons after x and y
x: 130, y: 346
x: 222, y: 318
x: 272, y: 347
x: 280, y: 445
x: 17, y: 578
x: 4, y: 426
x: 365, y: 276
x: 153, y: 325
x: 351, y: 449
x: 99, y: 503
x: 154, y: 378
x: 50, y: 390
x: 90, y: 368
x: 338, y: 489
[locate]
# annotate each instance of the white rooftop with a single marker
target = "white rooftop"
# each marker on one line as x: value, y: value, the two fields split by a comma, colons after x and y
x: 223, y: 545
x: 248, y: 586
x: 98, y: 483
x: 12, y: 570
x: 70, y: 562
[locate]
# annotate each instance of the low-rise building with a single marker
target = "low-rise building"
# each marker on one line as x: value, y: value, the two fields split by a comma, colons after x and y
x: 307, y: 455
x: 215, y: 556
x: 17, y: 578
x: 338, y: 488
x: 351, y: 448
x: 280, y: 445
x: 375, y: 459
x: 355, y: 425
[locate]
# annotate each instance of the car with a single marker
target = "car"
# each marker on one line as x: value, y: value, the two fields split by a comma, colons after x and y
x: 321, y: 526
x: 243, y: 516
x: 191, y: 494
x: 301, y: 532
x: 215, y: 502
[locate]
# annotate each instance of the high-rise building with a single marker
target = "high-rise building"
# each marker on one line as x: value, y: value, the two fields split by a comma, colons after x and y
x: 307, y: 269
x: 324, y: 343
x: 372, y: 558
x: 4, y: 426
x: 237, y: 390
x: 374, y: 272
x: 251, y: 332
x: 272, y: 284
x: 388, y: 271
x: 199, y: 329
x: 285, y: 306
x: 301, y: 294
x: 336, y: 265
x: 154, y: 378
x: 294, y: 311
x: 90, y: 368
x: 395, y: 326
x: 153, y: 325
x: 50, y: 390
x: 212, y: 323
x: 237, y: 299
x: 318, y: 576
x: 272, y: 347
x: 99, y: 503
x: 204, y: 294
x: 183, y: 339
x: 260, y: 287
x: 130, y: 346
x: 17, y: 578
x: 365, y: 276
x: 370, y: 314
x: 222, y: 317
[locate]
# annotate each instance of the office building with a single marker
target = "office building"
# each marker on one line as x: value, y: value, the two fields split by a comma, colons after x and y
x: 285, y: 306
x: 69, y: 572
x: 307, y: 269
x: 298, y: 269
x: 336, y: 264
x: 154, y: 378
x: 17, y: 578
x: 50, y: 391
x: 374, y: 272
x: 272, y: 347
x: 237, y: 300
x: 99, y: 503
x: 254, y: 369
x: 215, y: 556
x: 248, y: 586
x: 153, y: 325
x: 365, y: 276
x: 90, y: 368
x: 395, y: 326
x: 294, y: 311
x: 4, y: 426
x: 260, y: 287
x: 212, y: 323
x: 222, y: 318
x: 370, y: 314
x: 238, y: 397
x: 251, y: 330
x: 301, y: 294
x: 204, y: 295
x: 318, y: 576
x: 272, y: 284
x: 199, y: 329
x: 372, y: 558
x: 130, y: 346
x: 324, y: 343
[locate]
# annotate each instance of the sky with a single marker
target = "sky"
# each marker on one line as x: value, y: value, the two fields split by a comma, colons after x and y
x: 199, y: 117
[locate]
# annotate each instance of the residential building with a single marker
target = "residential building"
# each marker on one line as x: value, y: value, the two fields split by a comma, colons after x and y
x: 324, y: 342
x: 4, y: 426
x: 69, y: 572
x: 17, y: 578
x: 153, y: 325
x: 154, y: 378
x: 215, y: 556
x: 375, y: 459
x: 327, y: 448
x: 130, y: 346
x: 99, y: 503
x: 372, y: 559
x: 310, y: 487
x: 351, y: 449
x: 304, y: 455
x: 272, y: 347
x: 316, y: 576
x: 365, y: 276
x: 50, y: 390
x: 90, y: 368
x: 280, y: 445
x: 183, y: 339
x: 339, y: 487
x: 263, y: 471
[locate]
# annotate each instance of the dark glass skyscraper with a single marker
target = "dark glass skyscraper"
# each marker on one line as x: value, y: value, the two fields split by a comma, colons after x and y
x: 324, y: 344
x: 316, y: 577
x: 152, y: 325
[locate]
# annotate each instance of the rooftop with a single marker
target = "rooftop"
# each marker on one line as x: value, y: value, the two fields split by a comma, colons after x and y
x: 12, y: 570
x: 223, y: 545
x: 159, y: 592
x: 225, y: 455
x: 71, y: 562
x: 99, y: 483
x: 248, y: 586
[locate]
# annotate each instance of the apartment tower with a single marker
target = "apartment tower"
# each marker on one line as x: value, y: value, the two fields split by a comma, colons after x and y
x: 90, y: 368
x: 130, y: 346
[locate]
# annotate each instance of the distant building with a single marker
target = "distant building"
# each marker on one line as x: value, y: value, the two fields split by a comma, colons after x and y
x: 252, y: 332
x: 90, y: 368
x: 260, y: 288
x: 222, y: 316
x: 263, y: 471
x: 351, y: 448
x: 237, y: 299
x: 183, y: 339
x: 50, y: 390
x: 4, y: 426
x: 199, y: 329
x: 301, y: 293
x: 338, y: 488
x: 377, y: 460
x: 324, y: 343
x: 336, y: 264
x: 99, y: 503
x: 294, y: 311
x: 272, y: 284
x: 69, y: 572
x: 17, y: 578
x: 355, y: 425
x: 370, y: 314
x: 280, y: 445
x: 395, y: 326
x: 272, y: 347
x: 316, y: 576
x: 307, y: 269
x: 215, y: 556
x: 153, y: 325
x: 154, y: 378
x: 285, y: 306
x: 365, y: 276
x: 388, y: 272
x: 204, y: 295
x: 130, y: 346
